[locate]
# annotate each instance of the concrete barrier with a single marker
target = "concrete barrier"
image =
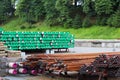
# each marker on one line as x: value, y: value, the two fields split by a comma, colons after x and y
x: 97, y: 43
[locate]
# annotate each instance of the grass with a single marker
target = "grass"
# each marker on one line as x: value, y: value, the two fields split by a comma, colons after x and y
x: 94, y: 32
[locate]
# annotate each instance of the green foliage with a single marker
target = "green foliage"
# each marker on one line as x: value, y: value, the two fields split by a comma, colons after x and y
x: 77, y: 22
x: 22, y: 27
x: 109, y: 21
x: 103, y: 7
x: 23, y: 10
x: 63, y: 7
x: 93, y: 32
x: 114, y: 20
x: 61, y: 12
x: 6, y: 9
x: 68, y: 23
x: 38, y: 9
x: 30, y: 10
x: 86, y: 22
x: 51, y: 12
x: 98, y: 19
x: 89, y: 7
x: 101, y: 21
x: 86, y: 6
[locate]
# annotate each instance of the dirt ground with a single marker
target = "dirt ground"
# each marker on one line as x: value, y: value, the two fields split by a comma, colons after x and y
x: 46, y: 77
x: 39, y: 77
x: 49, y: 78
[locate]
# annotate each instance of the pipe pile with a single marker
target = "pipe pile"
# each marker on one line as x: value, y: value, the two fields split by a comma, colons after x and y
x: 115, y: 61
x: 12, y: 68
x: 59, y: 63
x: 94, y: 64
x: 103, y: 66
x: 101, y: 61
x: 63, y: 64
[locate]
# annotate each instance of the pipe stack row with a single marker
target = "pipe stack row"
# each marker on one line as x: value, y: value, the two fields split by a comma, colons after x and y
x: 61, y: 64
x: 12, y: 68
x: 103, y: 66
x: 94, y: 64
x: 64, y: 63
x: 16, y: 40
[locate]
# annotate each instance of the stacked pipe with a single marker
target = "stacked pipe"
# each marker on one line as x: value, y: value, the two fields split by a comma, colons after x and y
x: 12, y: 68
x: 66, y: 63
x: 101, y: 61
x: 59, y: 63
x: 94, y: 64
x: 115, y: 61
x: 114, y: 66
x: 8, y: 68
x: 105, y: 65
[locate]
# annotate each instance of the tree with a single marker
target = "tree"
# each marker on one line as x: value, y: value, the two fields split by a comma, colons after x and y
x: 30, y: 10
x: 114, y: 20
x: 116, y: 5
x: 77, y: 22
x: 60, y: 12
x: 103, y: 7
x: 86, y: 7
x: 89, y: 7
x: 6, y: 10
x: 52, y: 14
x: 65, y: 9
x: 86, y: 22
x: 23, y: 8
x: 38, y: 9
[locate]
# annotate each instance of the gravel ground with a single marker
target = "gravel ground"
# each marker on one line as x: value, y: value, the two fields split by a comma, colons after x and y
x: 40, y: 77
x: 44, y: 77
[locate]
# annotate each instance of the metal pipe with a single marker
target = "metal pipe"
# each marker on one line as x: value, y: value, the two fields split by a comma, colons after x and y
x: 33, y: 72
x: 12, y: 65
x: 12, y: 71
x: 22, y: 70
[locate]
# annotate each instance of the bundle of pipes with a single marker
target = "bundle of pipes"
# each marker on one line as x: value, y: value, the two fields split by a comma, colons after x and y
x: 114, y: 66
x: 68, y: 56
x: 63, y: 63
x: 101, y: 61
x: 114, y: 61
x: 12, y: 68
x: 105, y: 65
